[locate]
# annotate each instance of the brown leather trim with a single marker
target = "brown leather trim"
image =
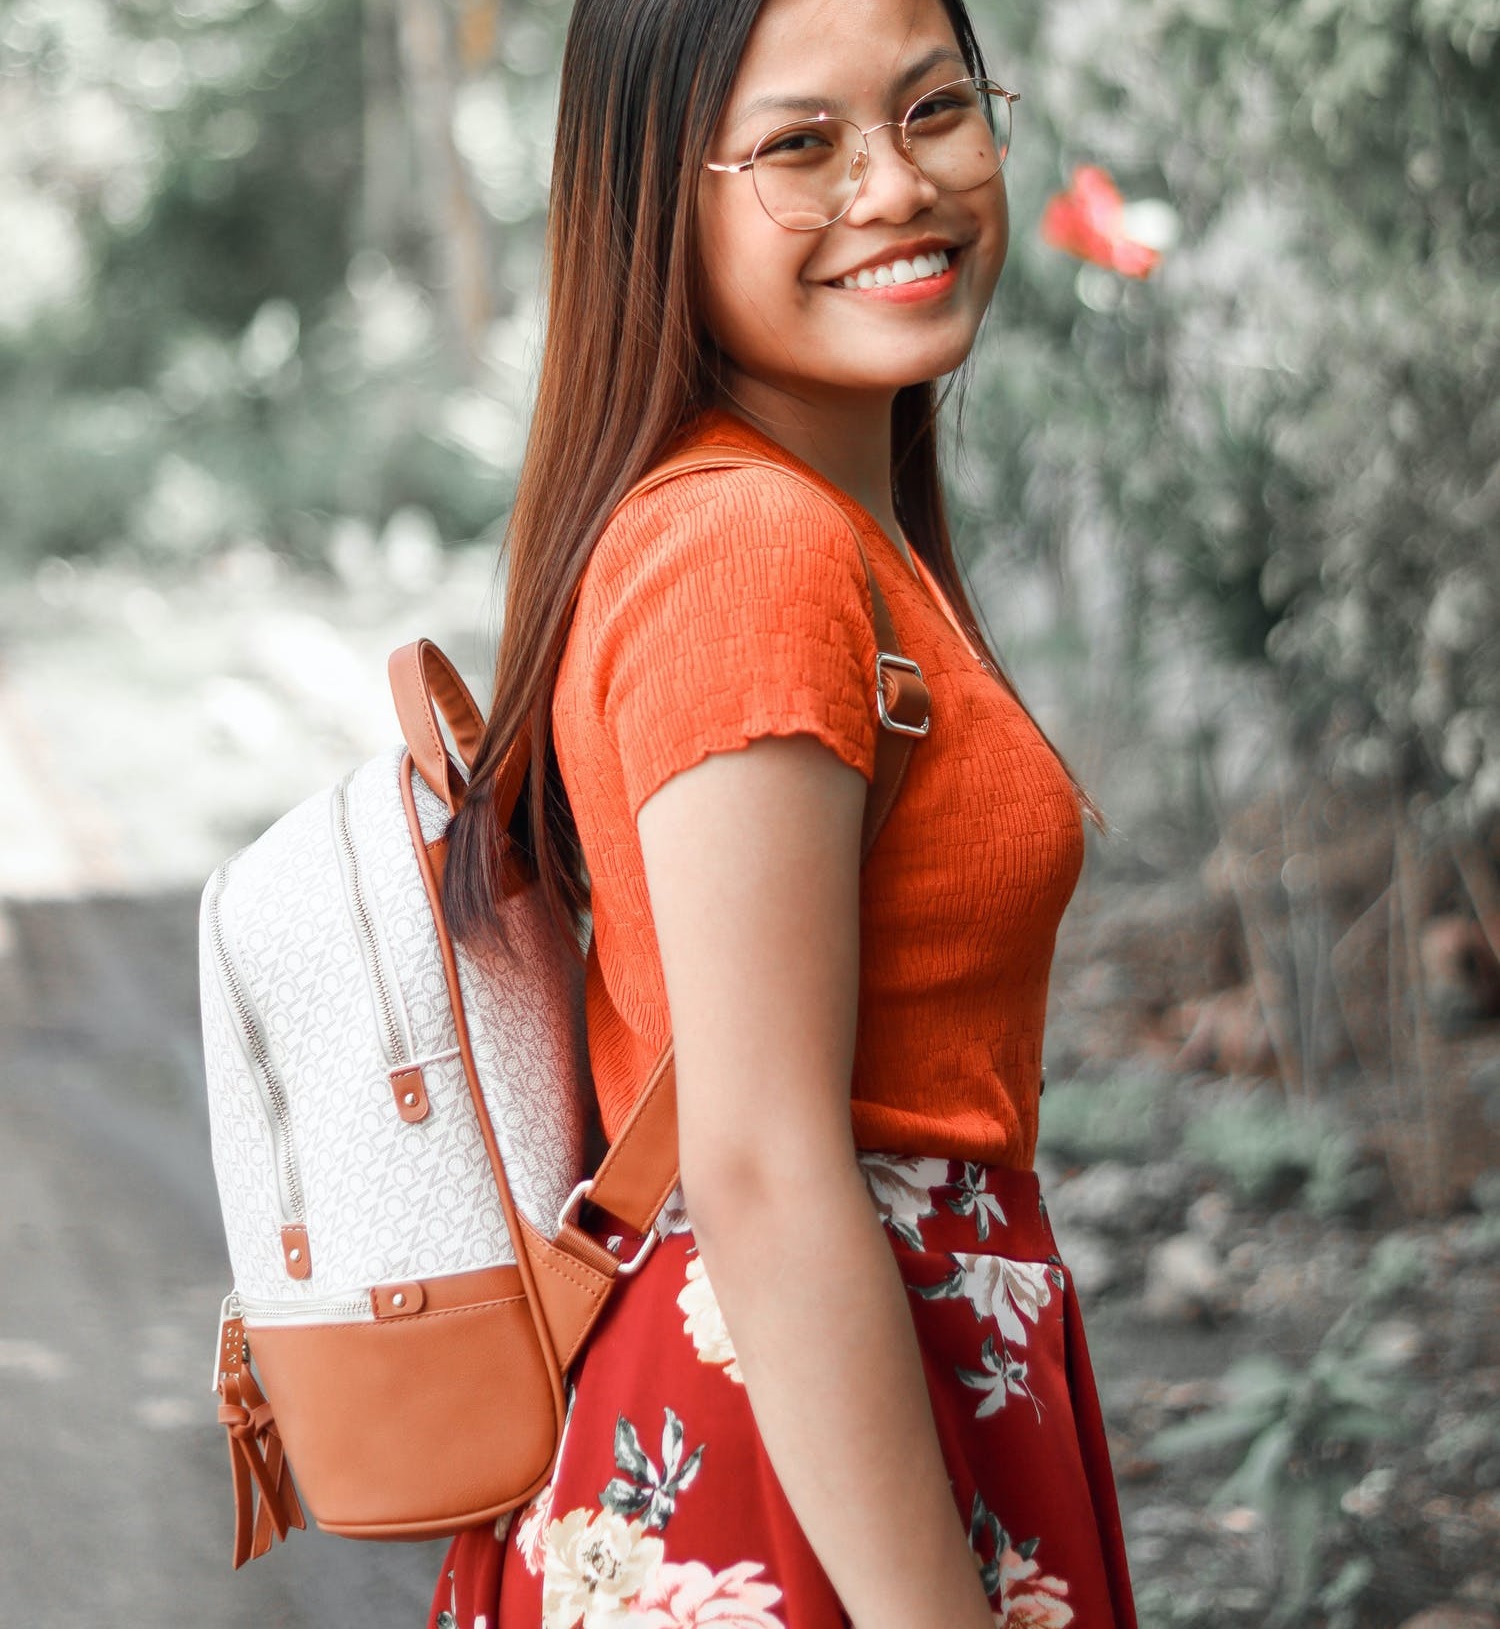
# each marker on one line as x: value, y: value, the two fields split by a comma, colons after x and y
x: 397, y: 1300
x: 471, y: 1389
x: 447, y: 1292
x: 410, y: 1091
x: 476, y: 1094
x: 424, y: 682
x: 231, y: 1347
x: 584, y: 1247
x: 295, y: 1251
x: 637, y: 1175
x: 573, y: 1292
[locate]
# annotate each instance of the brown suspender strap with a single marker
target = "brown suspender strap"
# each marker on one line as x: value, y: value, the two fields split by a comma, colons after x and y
x: 638, y: 1174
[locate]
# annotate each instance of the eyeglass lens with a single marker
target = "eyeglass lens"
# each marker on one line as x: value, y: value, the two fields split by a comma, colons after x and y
x: 808, y: 173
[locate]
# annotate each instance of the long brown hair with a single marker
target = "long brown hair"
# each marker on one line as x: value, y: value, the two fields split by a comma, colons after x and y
x: 625, y: 368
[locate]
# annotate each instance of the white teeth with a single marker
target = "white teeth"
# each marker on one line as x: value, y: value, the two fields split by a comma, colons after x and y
x: 898, y: 271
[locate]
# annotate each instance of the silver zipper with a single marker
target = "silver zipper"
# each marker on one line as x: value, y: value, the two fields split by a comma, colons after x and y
x: 258, y: 1055
x: 334, y: 1308
x: 342, y: 1309
x: 397, y: 1053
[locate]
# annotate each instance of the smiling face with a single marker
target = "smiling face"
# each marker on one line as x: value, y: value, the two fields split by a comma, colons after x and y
x: 833, y: 315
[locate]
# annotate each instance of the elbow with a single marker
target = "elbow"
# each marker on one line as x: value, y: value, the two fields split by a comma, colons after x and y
x: 725, y: 1185
x: 761, y: 1182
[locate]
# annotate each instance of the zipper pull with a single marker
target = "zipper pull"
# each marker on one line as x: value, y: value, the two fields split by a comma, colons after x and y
x: 229, y: 1347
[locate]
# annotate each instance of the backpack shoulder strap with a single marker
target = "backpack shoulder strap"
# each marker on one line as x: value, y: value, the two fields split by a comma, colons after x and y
x: 639, y: 1172
x: 903, y: 703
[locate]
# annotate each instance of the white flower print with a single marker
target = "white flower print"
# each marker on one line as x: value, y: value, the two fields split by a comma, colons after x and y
x: 594, y: 1565
x: 532, y: 1530
x: 673, y: 1216
x: 532, y: 1533
x: 1012, y: 1294
x: 703, y: 1321
x: 691, y: 1596
x: 1003, y: 1563
x: 902, y: 1191
x: 1006, y: 1291
x: 1000, y: 1377
x: 1040, y: 1605
x: 972, y: 1199
x: 642, y: 1490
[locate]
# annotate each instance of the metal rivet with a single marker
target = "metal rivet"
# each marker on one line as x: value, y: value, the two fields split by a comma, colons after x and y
x: 398, y: 1299
x: 296, y: 1255
x: 410, y: 1100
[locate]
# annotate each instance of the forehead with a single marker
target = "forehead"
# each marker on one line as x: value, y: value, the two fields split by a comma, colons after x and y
x: 839, y: 54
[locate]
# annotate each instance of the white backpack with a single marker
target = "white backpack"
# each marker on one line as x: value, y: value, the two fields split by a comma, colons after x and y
x: 398, y: 1130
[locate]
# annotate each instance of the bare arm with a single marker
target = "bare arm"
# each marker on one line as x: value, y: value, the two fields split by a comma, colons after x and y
x: 752, y: 863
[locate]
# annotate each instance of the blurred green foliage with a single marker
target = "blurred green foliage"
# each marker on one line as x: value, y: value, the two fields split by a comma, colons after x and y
x: 274, y: 266
x: 201, y: 346
x: 1289, y: 440
x: 1303, y: 1433
x: 1269, y: 1148
x: 1118, y: 1119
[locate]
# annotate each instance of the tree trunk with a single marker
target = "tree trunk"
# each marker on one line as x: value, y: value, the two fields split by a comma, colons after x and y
x: 437, y: 52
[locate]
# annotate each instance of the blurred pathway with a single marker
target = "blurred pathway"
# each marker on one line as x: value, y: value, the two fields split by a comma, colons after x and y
x: 151, y: 725
x: 147, y: 730
x: 114, y: 1494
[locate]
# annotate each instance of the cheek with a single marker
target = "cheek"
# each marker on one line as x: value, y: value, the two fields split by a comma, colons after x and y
x: 718, y: 254
x: 994, y: 230
x: 748, y: 272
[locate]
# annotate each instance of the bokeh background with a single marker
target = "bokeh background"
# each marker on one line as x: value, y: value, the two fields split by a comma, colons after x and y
x: 1227, y: 492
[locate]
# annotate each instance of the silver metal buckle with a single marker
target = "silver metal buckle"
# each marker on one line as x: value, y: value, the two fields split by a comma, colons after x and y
x: 903, y: 664
x: 569, y: 1213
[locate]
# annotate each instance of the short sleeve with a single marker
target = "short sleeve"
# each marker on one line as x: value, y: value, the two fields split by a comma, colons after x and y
x: 731, y: 604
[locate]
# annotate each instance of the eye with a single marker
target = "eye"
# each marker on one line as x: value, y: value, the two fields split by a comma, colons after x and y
x: 941, y: 105
x: 803, y: 143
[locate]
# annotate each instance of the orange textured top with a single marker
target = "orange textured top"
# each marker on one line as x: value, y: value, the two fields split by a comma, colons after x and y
x: 732, y: 604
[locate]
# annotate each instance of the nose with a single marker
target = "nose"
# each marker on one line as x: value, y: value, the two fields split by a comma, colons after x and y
x: 891, y: 187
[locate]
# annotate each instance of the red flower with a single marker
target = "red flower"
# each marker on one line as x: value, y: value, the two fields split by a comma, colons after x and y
x: 1088, y: 220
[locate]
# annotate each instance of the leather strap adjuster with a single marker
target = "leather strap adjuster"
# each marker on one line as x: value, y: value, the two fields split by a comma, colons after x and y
x: 901, y: 695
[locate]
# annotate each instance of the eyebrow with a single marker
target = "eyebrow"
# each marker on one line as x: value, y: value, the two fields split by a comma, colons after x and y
x: 835, y: 104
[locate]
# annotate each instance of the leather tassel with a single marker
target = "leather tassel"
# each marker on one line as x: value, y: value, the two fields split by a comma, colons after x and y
x: 266, y: 1505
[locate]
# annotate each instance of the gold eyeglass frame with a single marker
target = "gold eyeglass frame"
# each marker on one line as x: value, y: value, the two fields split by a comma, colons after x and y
x: 903, y: 146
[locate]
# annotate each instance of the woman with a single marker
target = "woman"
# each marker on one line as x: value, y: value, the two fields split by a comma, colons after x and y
x: 849, y: 1385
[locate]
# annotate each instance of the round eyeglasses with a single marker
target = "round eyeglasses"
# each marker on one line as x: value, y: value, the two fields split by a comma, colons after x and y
x: 808, y: 173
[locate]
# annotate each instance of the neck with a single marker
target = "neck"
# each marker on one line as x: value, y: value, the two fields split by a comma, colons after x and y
x: 847, y: 440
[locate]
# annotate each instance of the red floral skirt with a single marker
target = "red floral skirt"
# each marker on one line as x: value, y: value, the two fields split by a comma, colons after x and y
x: 663, y: 1511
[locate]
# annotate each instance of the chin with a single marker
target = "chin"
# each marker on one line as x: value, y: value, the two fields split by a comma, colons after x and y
x: 917, y: 369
